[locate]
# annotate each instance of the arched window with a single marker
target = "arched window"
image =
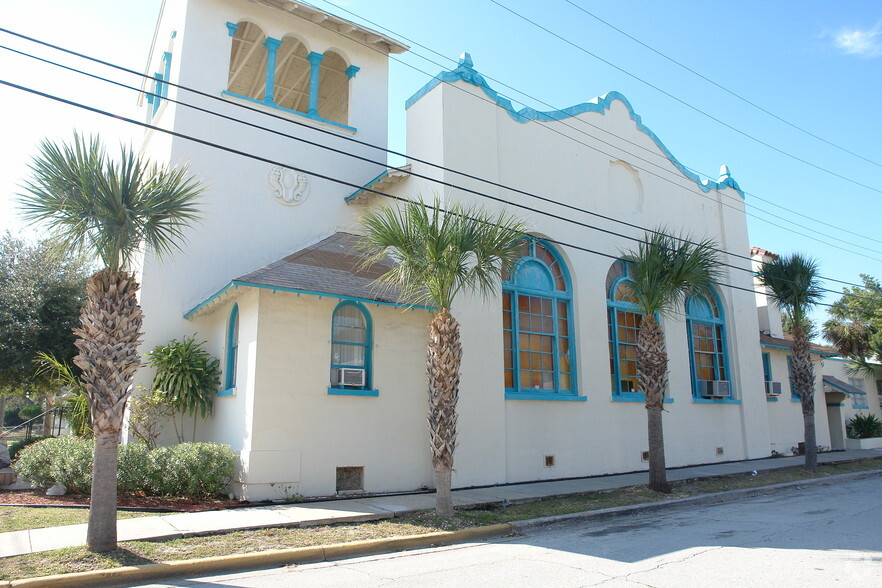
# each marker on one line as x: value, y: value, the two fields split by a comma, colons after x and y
x: 706, y: 330
x: 350, y: 349
x: 284, y: 74
x: 624, y: 320
x: 248, y: 55
x: 232, y: 349
x: 537, y: 327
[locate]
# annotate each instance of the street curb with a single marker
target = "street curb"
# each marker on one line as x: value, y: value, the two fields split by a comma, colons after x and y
x: 264, y: 559
x: 703, y: 499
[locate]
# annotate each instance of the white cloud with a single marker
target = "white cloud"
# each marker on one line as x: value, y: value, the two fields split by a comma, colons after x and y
x: 863, y: 43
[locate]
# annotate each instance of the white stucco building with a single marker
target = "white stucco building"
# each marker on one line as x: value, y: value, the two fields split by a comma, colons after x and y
x: 324, y: 385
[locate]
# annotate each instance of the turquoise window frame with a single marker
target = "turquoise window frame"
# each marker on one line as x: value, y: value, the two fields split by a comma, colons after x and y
x: 160, y: 87
x: 531, y: 277
x: 794, y: 395
x: 613, y: 308
x: 232, y: 353
x: 314, y: 59
x: 767, y: 373
x: 721, y: 365
x: 861, y: 400
x: 367, y: 366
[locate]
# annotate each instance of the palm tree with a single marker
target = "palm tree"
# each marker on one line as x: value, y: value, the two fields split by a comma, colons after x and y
x: 439, y: 255
x: 793, y: 284
x: 109, y: 209
x: 664, y: 271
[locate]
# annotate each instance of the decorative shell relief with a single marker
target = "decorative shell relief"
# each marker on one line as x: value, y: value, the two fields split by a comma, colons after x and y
x: 287, y: 186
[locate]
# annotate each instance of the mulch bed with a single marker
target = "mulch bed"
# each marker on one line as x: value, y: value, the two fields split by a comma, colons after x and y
x: 39, y: 498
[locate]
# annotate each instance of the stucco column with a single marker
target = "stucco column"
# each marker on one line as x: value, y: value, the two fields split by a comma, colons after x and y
x: 272, y: 46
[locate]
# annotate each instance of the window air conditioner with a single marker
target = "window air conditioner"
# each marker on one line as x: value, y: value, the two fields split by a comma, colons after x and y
x: 715, y: 389
x: 349, y: 377
x: 773, y: 388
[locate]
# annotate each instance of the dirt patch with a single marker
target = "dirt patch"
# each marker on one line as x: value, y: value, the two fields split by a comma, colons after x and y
x: 39, y: 498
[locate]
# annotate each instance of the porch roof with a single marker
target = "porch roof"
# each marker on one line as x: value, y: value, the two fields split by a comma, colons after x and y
x: 786, y: 342
x: 332, y: 267
x: 841, y: 386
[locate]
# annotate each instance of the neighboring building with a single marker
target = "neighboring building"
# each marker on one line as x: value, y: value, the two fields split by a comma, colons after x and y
x: 839, y: 394
x: 324, y: 374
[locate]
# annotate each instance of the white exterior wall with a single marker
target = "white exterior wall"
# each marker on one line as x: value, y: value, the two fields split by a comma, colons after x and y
x: 838, y: 368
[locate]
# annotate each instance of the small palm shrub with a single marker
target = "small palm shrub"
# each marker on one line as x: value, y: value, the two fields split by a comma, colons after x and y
x: 863, y: 426
x: 192, y: 470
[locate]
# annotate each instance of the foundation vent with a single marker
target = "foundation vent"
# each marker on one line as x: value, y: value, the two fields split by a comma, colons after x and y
x: 720, y: 452
x: 644, y: 456
x: 350, y: 479
x: 549, y: 461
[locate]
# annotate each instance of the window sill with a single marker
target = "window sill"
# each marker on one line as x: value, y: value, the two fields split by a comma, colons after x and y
x: 634, y: 397
x: 227, y: 392
x: 316, y: 119
x: 771, y: 399
x: 352, y: 392
x: 540, y: 396
x: 715, y: 400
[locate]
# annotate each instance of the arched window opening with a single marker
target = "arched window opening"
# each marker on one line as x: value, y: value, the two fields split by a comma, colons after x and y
x: 351, y: 347
x: 333, y: 90
x: 232, y: 349
x: 291, y: 89
x: 248, y: 58
x: 539, y: 353
x: 624, y: 321
x: 706, y: 330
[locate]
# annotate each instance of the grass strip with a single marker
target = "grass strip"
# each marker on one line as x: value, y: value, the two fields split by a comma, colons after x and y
x: 78, y: 559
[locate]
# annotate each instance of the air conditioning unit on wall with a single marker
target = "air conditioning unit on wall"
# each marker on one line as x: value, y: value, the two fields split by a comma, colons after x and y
x: 715, y: 389
x: 349, y: 377
x: 773, y: 388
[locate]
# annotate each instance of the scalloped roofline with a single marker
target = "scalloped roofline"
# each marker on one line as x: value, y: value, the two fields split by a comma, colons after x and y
x: 465, y: 72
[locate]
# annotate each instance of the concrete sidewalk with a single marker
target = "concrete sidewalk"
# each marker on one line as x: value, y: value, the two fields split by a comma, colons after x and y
x: 373, y: 508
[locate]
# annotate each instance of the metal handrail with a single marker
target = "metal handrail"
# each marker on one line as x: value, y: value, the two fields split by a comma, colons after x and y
x: 30, y: 422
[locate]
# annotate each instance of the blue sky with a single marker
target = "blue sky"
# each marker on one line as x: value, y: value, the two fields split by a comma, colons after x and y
x: 816, y: 65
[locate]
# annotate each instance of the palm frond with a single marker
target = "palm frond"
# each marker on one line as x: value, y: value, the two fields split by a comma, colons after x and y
x: 794, y: 285
x: 441, y: 253
x: 108, y: 208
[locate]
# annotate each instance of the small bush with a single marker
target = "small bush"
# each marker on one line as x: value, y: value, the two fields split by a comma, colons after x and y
x: 29, y: 412
x: 863, y: 426
x: 133, y: 470
x: 192, y: 470
x: 196, y: 470
x: 17, y: 446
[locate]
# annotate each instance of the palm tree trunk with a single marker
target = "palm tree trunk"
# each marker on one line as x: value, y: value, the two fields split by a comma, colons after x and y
x: 444, y: 354
x: 652, y: 373
x: 49, y: 417
x: 107, y: 341
x: 804, y: 380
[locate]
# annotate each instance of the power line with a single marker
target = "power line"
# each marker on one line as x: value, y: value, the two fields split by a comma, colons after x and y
x: 355, y: 156
x: 720, y: 86
x: 648, y: 150
x: 306, y: 171
x: 683, y: 102
x: 372, y: 161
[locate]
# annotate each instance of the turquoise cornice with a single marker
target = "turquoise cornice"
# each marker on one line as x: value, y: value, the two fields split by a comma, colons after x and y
x: 465, y: 72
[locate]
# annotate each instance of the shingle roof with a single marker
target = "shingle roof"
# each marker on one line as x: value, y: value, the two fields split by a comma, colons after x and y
x: 787, y: 341
x: 841, y: 386
x: 330, y: 267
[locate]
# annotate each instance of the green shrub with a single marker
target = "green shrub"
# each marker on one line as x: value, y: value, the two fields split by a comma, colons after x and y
x: 133, y: 469
x: 17, y: 446
x: 192, y: 470
x: 195, y: 470
x: 30, y: 411
x: 863, y: 426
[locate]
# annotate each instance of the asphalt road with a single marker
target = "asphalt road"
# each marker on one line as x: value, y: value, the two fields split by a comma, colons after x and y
x: 828, y: 535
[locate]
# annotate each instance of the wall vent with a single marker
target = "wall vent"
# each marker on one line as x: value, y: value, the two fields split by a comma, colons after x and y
x: 350, y: 479
x: 720, y: 452
x: 644, y: 456
x: 549, y: 461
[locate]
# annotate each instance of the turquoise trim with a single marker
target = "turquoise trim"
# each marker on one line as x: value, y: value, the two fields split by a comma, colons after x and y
x: 824, y: 354
x: 465, y: 72
x: 272, y: 45
x: 232, y: 359
x: 767, y: 367
x: 510, y: 395
x: 771, y: 399
x: 351, y: 71
x: 237, y: 284
x: 352, y: 392
x: 227, y: 392
x: 514, y: 289
x: 382, y: 175
x: 367, y: 366
x: 635, y: 397
x: 314, y: 60
x: 692, y: 305
x: 843, y: 360
x: 794, y: 396
x: 835, y: 404
x: 232, y: 28
x: 288, y: 110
